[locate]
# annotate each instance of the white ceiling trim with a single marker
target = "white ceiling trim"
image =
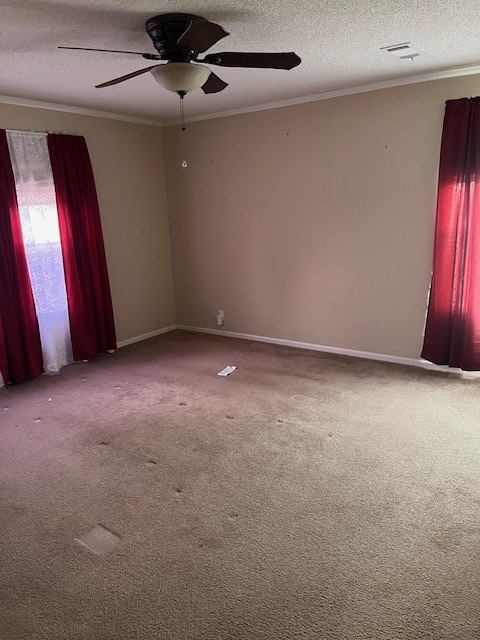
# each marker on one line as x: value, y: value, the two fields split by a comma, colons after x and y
x: 326, y: 95
x: 68, y: 108
x: 336, y: 93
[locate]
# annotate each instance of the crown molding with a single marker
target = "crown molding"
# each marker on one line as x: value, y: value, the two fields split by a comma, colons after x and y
x: 316, y: 97
x: 82, y: 111
x: 336, y: 93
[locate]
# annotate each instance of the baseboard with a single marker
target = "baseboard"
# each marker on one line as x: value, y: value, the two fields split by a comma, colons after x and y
x: 353, y: 353
x: 368, y: 355
x: 145, y: 336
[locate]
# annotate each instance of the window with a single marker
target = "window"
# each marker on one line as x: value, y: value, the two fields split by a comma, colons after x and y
x: 41, y: 235
x: 55, y: 302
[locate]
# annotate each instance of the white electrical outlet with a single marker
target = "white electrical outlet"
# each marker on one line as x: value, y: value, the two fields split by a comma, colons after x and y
x: 220, y: 316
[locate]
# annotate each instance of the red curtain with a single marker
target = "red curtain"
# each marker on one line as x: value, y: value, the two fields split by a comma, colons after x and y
x: 86, y: 278
x: 20, y: 349
x: 452, y: 333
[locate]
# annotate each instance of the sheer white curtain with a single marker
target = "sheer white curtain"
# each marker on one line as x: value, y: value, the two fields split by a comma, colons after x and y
x: 39, y: 219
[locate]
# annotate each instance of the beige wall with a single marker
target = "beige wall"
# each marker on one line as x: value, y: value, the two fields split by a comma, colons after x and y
x: 127, y: 162
x: 312, y: 222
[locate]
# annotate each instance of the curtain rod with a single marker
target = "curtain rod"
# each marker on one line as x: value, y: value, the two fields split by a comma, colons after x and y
x: 29, y: 131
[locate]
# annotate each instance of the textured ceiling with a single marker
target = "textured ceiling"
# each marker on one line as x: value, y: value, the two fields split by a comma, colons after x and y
x: 339, y: 42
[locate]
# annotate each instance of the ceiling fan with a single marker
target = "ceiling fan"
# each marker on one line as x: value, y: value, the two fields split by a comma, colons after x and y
x: 179, y: 38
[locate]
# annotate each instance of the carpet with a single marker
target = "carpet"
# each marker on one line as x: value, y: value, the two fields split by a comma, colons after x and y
x: 305, y: 496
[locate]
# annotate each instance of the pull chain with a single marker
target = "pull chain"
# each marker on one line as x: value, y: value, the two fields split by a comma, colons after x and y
x: 182, y: 111
x: 182, y: 120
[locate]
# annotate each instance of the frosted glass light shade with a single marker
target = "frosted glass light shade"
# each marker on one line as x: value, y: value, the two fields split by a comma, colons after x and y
x: 181, y: 76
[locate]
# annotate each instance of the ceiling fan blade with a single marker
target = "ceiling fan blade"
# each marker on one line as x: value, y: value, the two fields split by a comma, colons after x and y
x: 201, y: 35
x: 148, y: 56
x: 214, y: 84
x: 253, y: 60
x: 127, y: 77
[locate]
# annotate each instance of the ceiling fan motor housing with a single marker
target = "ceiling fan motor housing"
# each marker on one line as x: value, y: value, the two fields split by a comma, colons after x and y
x: 165, y: 31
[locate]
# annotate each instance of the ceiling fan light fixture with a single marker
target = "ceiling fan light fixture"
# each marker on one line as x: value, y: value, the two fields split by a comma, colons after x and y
x: 181, y: 76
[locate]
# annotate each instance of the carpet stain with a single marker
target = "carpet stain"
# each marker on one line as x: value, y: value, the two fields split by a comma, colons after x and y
x: 210, y: 543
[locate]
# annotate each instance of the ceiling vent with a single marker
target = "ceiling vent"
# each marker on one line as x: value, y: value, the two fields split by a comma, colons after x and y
x: 403, y: 51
